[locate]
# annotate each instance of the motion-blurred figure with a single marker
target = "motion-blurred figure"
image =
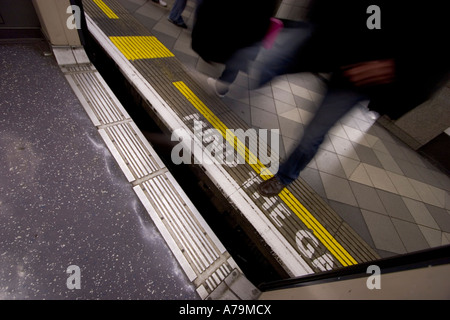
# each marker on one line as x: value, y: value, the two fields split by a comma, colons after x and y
x: 231, y: 34
x: 160, y: 2
x: 175, y: 13
x: 391, y: 53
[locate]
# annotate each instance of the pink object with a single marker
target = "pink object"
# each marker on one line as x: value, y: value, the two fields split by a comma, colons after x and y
x: 275, y: 27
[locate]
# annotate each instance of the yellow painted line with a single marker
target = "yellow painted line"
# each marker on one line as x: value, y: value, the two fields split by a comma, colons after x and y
x: 286, y: 196
x: 106, y: 9
x: 319, y: 231
x: 141, y: 47
x: 249, y: 157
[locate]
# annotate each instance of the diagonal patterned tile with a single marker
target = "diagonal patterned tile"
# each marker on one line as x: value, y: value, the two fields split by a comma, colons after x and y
x: 356, y: 135
x: 420, y: 213
x: 380, y: 178
x: 447, y: 201
x: 343, y: 147
x: 394, y: 150
x: 306, y: 116
x: 316, y: 97
x: 367, y: 155
x: 349, y: 165
x: 378, y: 145
x: 284, y: 96
x: 289, y: 144
x: 281, y: 84
x: 360, y: 175
x: 327, y: 145
x: 411, y: 235
x: 338, y: 130
x: 445, y: 238
x: 395, y: 206
x: 289, y: 128
x: 354, y: 218
x: 282, y: 107
x: 412, y: 156
x: 301, y: 92
x: 383, y: 232
x: 443, y: 179
x: 338, y: 189
x: 403, y: 186
x: 262, y: 102
x: 441, y: 216
x: 292, y: 114
x: 312, y: 178
x: 439, y: 194
x: 263, y: 119
x: 329, y: 162
x: 388, y: 162
x: 364, y: 125
x: 265, y: 90
x: 349, y: 121
x: 425, y: 193
x: 367, y: 198
x: 371, y: 140
x: 433, y: 236
x: 305, y: 104
x: 242, y: 110
x: 296, y: 78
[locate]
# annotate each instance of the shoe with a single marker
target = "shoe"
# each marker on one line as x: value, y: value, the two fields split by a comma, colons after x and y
x: 213, y: 84
x: 161, y: 2
x: 271, y: 187
x: 178, y: 24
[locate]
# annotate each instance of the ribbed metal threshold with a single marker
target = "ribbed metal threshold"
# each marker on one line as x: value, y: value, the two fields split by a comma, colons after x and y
x: 204, y: 259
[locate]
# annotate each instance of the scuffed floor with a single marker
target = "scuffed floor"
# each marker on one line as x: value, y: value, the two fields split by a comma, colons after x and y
x: 63, y: 200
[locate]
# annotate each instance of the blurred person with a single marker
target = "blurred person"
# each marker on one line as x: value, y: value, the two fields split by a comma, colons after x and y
x: 160, y: 2
x: 396, y: 63
x: 175, y: 14
x: 231, y: 35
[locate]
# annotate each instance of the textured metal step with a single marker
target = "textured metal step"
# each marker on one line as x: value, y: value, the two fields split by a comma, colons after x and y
x: 204, y: 259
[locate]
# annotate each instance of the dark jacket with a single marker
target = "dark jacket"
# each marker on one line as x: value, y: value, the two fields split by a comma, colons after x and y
x: 414, y: 35
x: 222, y: 27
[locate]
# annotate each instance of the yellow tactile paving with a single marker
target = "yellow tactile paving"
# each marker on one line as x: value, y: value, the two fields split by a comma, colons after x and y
x: 106, y: 9
x: 141, y: 47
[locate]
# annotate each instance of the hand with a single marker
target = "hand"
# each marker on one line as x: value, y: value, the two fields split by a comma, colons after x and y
x: 371, y: 73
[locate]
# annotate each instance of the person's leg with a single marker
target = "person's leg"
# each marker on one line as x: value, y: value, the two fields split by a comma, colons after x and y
x: 176, y: 11
x: 281, y: 58
x: 337, y: 102
x: 239, y: 61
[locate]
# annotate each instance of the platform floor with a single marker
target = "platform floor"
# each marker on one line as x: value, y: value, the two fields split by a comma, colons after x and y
x: 395, y: 199
x: 64, y: 200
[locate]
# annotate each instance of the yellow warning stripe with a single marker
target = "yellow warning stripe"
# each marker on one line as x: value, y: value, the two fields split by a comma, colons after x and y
x: 319, y: 231
x: 285, y: 195
x: 249, y: 157
x: 106, y: 9
x: 141, y: 47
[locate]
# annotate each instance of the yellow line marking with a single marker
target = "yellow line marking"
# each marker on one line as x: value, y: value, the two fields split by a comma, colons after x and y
x: 285, y: 195
x: 141, y: 47
x: 106, y: 9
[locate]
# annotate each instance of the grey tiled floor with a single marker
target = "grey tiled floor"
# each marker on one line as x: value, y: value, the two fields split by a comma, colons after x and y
x: 394, y: 198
